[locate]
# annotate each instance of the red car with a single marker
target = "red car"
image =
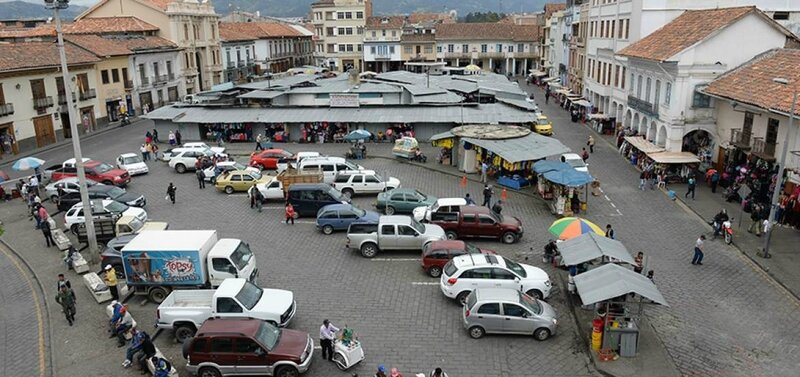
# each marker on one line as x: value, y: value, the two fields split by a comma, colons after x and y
x: 437, y: 253
x: 270, y: 158
x: 95, y: 170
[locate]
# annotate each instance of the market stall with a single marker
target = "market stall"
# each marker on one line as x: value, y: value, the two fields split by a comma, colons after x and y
x: 445, y: 141
x: 559, y: 184
x: 676, y: 166
x: 635, y: 150
x: 602, y: 123
x: 590, y: 247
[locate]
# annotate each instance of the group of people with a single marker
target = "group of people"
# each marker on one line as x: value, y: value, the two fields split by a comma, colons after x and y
x: 140, y: 347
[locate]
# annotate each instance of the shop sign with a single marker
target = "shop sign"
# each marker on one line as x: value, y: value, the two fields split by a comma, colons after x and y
x: 344, y: 100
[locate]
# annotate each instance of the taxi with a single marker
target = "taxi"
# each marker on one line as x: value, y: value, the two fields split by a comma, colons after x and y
x: 543, y: 126
x: 239, y: 180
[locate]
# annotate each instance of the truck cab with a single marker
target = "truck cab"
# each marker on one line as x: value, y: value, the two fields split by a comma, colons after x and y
x: 230, y: 258
x: 392, y: 233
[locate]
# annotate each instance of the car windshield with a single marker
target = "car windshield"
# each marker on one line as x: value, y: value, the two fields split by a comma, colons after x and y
x: 471, y: 249
x: 379, y: 178
x: 530, y: 303
x: 102, y: 168
x: 498, y: 218
x: 516, y: 267
x: 268, y: 335
x: 576, y: 163
x: 208, y: 152
x: 131, y: 160
x: 359, y: 212
x: 336, y: 195
x: 135, y: 224
x: 241, y: 256
x: 351, y: 166
x: 542, y: 122
x: 116, y: 207
x: 249, y: 295
x: 417, y: 226
x: 238, y: 166
x: 420, y: 195
x: 255, y: 175
x: 287, y: 154
x: 115, y: 192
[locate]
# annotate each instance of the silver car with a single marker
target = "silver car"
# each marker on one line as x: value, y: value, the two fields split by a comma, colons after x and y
x: 507, y: 311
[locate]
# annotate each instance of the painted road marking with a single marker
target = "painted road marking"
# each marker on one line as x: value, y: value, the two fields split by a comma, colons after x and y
x: 613, y: 205
x: 424, y: 283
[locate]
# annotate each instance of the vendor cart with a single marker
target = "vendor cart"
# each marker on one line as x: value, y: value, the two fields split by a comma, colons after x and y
x: 347, y: 350
x: 405, y: 147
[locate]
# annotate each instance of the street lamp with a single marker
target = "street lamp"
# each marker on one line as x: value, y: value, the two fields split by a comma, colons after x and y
x: 57, y: 5
x: 781, y: 167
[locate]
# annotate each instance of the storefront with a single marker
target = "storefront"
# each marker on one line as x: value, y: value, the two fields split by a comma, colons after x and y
x: 646, y: 156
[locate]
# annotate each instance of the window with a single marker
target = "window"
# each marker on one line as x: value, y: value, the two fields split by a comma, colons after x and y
x: 489, y: 309
x: 383, y: 33
x: 647, y: 92
x: 373, y: 34
x: 484, y: 48
x: 469, y: 218
x: 616, y: 75
x: 245, y: 345
x: 700, y: 100
x: 450, y: 48
x: 613, y: 27
x: 513, y: 310
x: 348, y: 15
x: 391, y: 49
x: 228, y: 305
x: 115, y: 75
x: 622, y: 86
x: 428, y: 49
x: 221, y: 345
x: 639, y: 87
x: 627, y: 28
x: 199, y: 345
x: 439, y: 49
x: 348, y: 31
x: 342, y: 48
x: 465, y: 48
x: 349, y: 48
x: 498, y: 48
x: 485, y: 219
x: 602, y: 29
x: 657, y: 97
x: 186, y: 32
x: 340, y: 15
x: 360, y: 30
x: 155, y: 70
x: 394, y: 33
x: 340, y: 31
x: 359, y: 15
x: 406, y: 230
x: 104, y: 76
x: 520, y: 47
x: 510, y: 48
x: 372, y: 50
x: 328, y: 32
x: 772, y: 131
x: 387, y: 230
x: 348, y: 215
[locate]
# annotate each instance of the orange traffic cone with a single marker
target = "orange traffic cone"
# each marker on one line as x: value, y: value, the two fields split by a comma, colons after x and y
x: 504, y: 194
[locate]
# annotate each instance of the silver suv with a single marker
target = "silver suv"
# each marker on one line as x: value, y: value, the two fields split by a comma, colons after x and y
x: 507, y: 311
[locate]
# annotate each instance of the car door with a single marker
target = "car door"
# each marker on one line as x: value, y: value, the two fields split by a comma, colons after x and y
x: 329, y: 217
x: 372, y: 184
x: 486, y: 226
x: 489, y: 316
x: 247, y: 181
x: 222, y: 354
x: 388, y: 239
x: 517, y: 320
x: 221, y: 269
x: 119, y: 163
x: 346, y: 217
x: 480, y: 277
x: 251, y: 357
x: 236, y: 181
x: 468, y: 225
x: 410, y: 202
x: 274, y: 190
x: 502, y: 278
x: 408, y: 238
x: 227, y: 307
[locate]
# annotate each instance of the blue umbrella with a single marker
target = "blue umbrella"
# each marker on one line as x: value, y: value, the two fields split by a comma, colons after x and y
x: 358, y: 135
x: 27, y: 163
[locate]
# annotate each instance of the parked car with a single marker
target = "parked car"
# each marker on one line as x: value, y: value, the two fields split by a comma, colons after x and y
x: 101, y: 191
x: 212, y: 172
x: 543, y: 126
x: 402, y: 200
x: 475, y: 221
x: 112, y: 253
x: 507, y: 311
x: 442, y: 205
x: 97, y: 171
x: 364, y: 182
x: 239, y: 180
x: 183, y: 160
x: 329, y: 166
x: 574, y: 160
x: 132, y: 163
x: 308, y: 198
x: 466, y: 272
x: 437, y: 253
x: 247, y: 346
x: 185, y: 310
x: 335, y: 217
x: 67, y: 185
x: 391, y: 233
x: 101, y: 208
x: 270, y: 159
x: 203, y: 146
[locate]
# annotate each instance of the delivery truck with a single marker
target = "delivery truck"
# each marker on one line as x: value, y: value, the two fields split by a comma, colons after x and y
x: 158, y: 261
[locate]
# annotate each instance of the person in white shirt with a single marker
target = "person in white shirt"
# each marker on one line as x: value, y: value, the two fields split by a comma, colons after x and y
x: 327, y: 332
x: 34, y: 184
x: 698, y: 251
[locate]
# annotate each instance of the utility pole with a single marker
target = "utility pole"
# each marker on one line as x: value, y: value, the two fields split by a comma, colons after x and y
x: 57, y: 5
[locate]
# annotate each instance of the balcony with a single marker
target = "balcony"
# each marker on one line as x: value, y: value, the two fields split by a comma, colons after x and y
x: 128, y: 84
x: 740, y: 139
x: 6, y: 109
x: 576, y: 41
x: 62, y: 98
x: 645, y: 107
x: 240, y: 63
x: 144, y: 80
x: 171, y: 76
x: 161, y: 79
x: 43, y: 102
x: 764, y: 149
x: 88, y: 94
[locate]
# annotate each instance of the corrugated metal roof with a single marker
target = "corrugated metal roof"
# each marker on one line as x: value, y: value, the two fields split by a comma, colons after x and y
x: 279, y: 82
x: 521, y: 103
x: 263, y: 94
x: 527, y: 148
x: 590, y: 246
x: 610, y: 280
x: 421, y: 90
x: 446, y: 97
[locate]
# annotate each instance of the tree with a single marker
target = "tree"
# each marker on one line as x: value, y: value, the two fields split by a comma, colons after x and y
x: 483, y: 17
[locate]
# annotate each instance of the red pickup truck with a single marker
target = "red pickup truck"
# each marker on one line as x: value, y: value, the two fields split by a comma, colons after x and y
x: 95, y: 170
x: 474, y: 221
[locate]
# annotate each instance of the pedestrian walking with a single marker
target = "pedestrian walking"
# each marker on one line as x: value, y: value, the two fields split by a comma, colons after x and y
x: 438, y: 372
x: 48, y: 235
x: 381, y: 371
x: 698, y: 251
x: 638, y: 263
x: 327, y: 332
x: 498, y: 207
x: 259, y: 199
x: 290, y: 214
x: 110, y: 278
x: 155, y: 136
x: 395, y: 373
x: 171, y: 138
x: 642, y: 179
x: 66, y: 298
x: 148, y: 137
x: 714, y: 182
x: 143, y: 150
x: 171, y: 189
x: 178, y: 137
x: 609, y: 231
x: 590, y: 143
x: 546, y: 97
x: 690, y: 188
x: 33, y: 184
x: 251, y: 195
x: 487, y: 196
x: 584, y: 154
x: 62, y: 282
x: 484, y: 171
x: 755, y: 216
x: 259, y: 141
x: 201, y: 178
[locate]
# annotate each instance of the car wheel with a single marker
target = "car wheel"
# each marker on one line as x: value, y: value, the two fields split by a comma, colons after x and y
x: 369, y: 250
x: 462, y: 297
x: 209, y: 372
x: 348, y: 192
x: 451, y: 235
x: 108, y: 183
x: 157, y: 295
x: 535, y: 293
x: 338, y: 358
x: 327, y: 229
x: 476, y: 332
x: 509, y: 237
x: 213, y: 180
x: 286, y: 371
x: 390, y: 210
x: 541, y: 334
x: 54, y: 199
x: 435, y: 271
x: 229, y: 190
x: 184, y: 333
x: 180, y: 168
x: 74, y: 229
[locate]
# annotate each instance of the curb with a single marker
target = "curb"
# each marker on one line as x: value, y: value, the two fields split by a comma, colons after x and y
x: 47, y: 319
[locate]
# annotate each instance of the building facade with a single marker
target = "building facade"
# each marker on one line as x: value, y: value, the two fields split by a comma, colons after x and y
x: 238, y: 55
x: 498, y: 47
x: 382, y: 43
x: 339, y: 32
x: 276, y: 46
x: 577, y: 45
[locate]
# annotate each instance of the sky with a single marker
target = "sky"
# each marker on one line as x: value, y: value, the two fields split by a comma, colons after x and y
x: 76, y: 2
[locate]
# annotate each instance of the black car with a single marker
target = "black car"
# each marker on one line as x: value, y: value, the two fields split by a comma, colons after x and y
x: 101, y: 191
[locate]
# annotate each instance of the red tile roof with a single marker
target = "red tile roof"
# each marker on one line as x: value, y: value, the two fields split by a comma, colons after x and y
x: 37, y: 32
x: 260, y: 30
x: 487, y: 31
x: 385, y: 22
x: 428, y: 37
x: 36, y: 55
x: 551, y: 8
x: 751, y: 83
x: 102, y: 25
x: 691, y: 27
x: 230, y: 34
x: 103, y: 46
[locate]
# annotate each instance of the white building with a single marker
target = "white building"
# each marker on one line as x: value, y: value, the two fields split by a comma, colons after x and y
x: 339, y: 32
x: 276, y: 46
x: 238, y: 54
x: 497, y: 47
x: 382, y: 49
x: 668, y: 69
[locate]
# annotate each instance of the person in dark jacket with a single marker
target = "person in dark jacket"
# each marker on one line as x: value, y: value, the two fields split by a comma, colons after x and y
x: 171, y: 189
x: 178, y: 137
x: 148, y: 351
x: 487, y: 196
x: 48, y: 235
x: 498, y: 207
x: 201, y: 178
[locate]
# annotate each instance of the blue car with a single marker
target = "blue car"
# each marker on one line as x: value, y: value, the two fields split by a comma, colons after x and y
x: 334, y: 217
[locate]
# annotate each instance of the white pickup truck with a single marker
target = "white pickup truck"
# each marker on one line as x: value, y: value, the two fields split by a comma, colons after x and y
x: 364, y: 182
x: 185, y: 310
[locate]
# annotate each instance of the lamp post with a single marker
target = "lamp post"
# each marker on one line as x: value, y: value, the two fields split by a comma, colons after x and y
x: 781, y: 167
x: 57, y: 5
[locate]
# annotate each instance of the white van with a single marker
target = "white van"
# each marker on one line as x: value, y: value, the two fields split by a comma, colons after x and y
x: 330, y: 166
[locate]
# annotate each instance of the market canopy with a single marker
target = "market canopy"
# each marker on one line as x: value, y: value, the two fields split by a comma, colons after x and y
x: 590, y: 246
x: 674, y: 158
x: 582, y: 102
x: 549, y: 79
x: 545, y: 166
x: 566, y: 175
x: 643, y: 145
x: 537, y: 73
x: 610, y: 281
x: 527, y: 148
x: 443, y: 135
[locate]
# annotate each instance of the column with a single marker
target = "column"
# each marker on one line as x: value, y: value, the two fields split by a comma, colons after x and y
x: 507, y: 65
x: 456, y: 62
x: 514, y: 66
x: 525, y: 68
x: 490, y: 64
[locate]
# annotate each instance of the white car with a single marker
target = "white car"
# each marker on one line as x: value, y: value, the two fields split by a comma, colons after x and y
x: 364, y: 182
x: 184, y: 159
x: 133, y: 163
x: 212, y: 172
x: 69, y: 184
x: 101, y: 208
x: 465, y: 273
x: 442, y: 205
x: 574, y: 160
x: 200, y: 145
x: 271, y: 190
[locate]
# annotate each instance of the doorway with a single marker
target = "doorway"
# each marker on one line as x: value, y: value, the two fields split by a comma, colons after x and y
x: 198, y: 58
x: 8, y: 143
x: 66, y: 126
x: 87, y: 119
x: 43, y: 126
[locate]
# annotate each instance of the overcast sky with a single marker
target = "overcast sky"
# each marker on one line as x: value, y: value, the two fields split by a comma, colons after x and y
x: 77, y: 2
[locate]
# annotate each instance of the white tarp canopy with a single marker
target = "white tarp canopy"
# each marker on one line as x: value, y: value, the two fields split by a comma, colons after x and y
x: 537, y: 73
x: 674, y: 158
x: 590, y: 246
x: 550, y: 79
x: 643, y: 145
x: 610, y: 280
x: 583, y: 102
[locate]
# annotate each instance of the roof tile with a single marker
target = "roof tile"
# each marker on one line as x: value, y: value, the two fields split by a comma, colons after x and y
x: 103, y: 46
x: 487, y: 31
x: 385, y: 22
x: 260, y: 30
x: 33, y: 55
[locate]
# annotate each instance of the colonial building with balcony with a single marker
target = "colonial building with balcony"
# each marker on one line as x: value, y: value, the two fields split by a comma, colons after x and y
x: 577, y: 44
x: 752, y: 111
x: 238, y: 55
x: 547, y: 35
x: 668, y: 70
x: 382, y: 49
x: 339, y: 32
x: 498, y: 47
x: 276, y: 46
x: 33, y: 105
